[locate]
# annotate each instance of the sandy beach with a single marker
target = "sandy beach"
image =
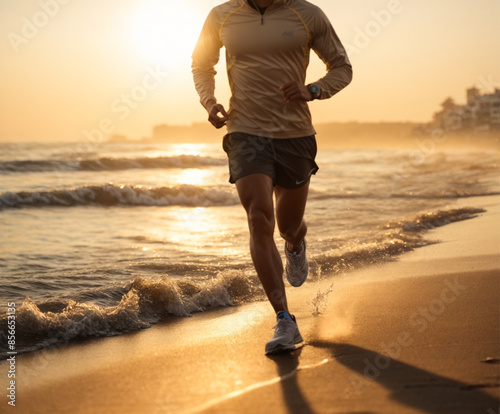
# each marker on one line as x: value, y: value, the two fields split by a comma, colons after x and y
x: 418, y: 335
x: 131, y: 264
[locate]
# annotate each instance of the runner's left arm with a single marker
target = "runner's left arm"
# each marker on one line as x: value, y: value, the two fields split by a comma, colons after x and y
x: 328, y: 47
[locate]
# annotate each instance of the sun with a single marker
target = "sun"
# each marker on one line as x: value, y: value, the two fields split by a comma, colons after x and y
x: 165, y: 32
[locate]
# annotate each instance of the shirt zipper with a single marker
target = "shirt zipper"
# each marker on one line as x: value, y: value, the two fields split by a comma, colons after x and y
x: 261, y: 14
x: 265, y: 11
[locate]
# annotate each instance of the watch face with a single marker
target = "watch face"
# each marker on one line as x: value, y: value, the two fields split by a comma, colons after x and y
x: 314, y: 90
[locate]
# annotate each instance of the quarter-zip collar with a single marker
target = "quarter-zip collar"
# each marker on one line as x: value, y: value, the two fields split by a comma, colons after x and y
x: 275, y: 3
x: 253, y: 5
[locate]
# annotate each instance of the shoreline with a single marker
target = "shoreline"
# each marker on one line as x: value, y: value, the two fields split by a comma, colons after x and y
x: 214, y: 361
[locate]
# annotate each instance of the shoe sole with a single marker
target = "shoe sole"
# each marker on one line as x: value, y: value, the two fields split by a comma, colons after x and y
x: 282, y: 348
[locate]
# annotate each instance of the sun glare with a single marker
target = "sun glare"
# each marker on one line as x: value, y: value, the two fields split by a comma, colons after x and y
x: 195, y: 176
x: 189, y: 149
x: 165, y: 32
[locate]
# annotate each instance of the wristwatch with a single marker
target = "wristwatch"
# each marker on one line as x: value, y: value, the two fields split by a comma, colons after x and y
x: 315, y: 92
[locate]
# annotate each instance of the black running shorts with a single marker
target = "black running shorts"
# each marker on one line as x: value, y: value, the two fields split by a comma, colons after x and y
x: 289, y: 162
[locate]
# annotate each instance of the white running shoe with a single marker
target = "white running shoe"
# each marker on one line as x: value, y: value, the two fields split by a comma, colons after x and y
x: 286, y: 335
x: 296, y: 267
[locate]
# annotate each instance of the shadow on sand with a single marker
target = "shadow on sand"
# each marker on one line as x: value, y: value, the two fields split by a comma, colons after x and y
x: 287, y: 365
x: 409, y: 385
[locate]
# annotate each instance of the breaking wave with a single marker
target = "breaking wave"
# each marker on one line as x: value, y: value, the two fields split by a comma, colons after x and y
x: 143, y: 303
x: 116, y: 309
x: 106, y: 164
x: 394, y: 238
x: 123, y: 195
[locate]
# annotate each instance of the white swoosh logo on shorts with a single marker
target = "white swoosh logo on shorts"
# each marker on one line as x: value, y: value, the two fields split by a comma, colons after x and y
x: 303, y: 181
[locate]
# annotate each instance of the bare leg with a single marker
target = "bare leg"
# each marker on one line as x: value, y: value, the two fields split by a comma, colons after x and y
x: 256, y: 195
x: 290, y: 208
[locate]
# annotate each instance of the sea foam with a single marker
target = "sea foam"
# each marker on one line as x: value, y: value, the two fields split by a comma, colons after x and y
x: 120, y: 195
x: 108, y: 163
x: 145, y: 303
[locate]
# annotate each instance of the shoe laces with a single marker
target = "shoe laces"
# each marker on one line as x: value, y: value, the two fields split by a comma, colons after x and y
x: 283, y: 327
x: 297, y: 259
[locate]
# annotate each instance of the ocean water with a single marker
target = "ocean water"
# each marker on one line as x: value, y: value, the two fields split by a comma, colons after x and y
x: 99, y: 241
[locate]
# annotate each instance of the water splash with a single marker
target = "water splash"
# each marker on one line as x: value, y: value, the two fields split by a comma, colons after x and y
x: 320, y: 301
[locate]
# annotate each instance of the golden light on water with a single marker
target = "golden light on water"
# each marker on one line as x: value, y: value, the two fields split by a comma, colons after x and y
x: 193, y: 226
x: 189, y: 149
x: 194, y: 176
x: 177, y: 149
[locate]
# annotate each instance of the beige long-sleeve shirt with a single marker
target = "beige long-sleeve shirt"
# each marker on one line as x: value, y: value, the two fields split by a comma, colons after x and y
x: 264, y: 52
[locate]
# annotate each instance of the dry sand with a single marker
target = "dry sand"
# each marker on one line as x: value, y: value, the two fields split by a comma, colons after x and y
x: 412, y: 336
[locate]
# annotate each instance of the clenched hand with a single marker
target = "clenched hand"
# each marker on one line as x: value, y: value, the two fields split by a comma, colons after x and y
x: 295, y: 91
x: 214, y: 109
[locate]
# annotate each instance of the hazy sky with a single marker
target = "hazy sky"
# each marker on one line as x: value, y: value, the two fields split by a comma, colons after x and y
x: 122, y: 66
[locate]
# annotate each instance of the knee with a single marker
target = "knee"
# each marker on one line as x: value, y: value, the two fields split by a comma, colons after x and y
x: 260, y: 222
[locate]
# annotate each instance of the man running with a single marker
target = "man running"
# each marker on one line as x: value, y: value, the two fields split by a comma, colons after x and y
x: 271, y: 144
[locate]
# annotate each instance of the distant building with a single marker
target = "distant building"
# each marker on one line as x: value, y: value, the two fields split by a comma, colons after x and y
x: 480, y: 113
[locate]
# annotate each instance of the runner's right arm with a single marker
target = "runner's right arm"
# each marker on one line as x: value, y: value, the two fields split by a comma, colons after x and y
x: 205, y: 56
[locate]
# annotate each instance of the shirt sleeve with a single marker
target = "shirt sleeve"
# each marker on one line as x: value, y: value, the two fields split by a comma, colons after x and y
x: 205, y: 56
x: 328, y: 47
